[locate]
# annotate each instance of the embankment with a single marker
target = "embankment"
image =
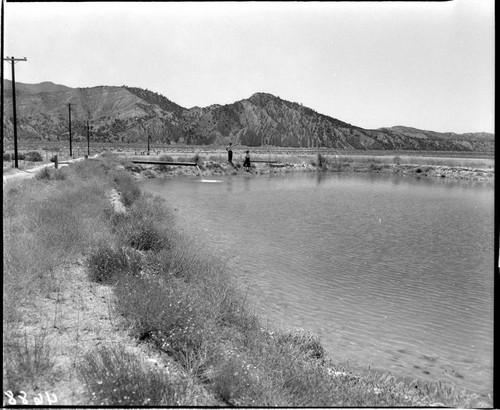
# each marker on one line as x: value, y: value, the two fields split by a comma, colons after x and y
x: 212, y: 168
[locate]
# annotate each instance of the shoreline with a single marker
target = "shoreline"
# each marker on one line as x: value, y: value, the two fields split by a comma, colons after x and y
x: 211, y: 168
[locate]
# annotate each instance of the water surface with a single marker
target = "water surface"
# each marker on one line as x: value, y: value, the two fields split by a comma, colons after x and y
x: 393, y: 272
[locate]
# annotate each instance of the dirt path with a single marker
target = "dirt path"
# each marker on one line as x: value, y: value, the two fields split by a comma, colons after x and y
x: 78, y: 316
x: 18, y: 174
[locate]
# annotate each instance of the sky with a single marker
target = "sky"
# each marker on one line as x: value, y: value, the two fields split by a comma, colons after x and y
x: 427, y: 65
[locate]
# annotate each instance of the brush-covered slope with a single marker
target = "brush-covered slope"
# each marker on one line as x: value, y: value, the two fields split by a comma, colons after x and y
x: 116, y: 114
x: 264, y: 119
x: 128, y: 114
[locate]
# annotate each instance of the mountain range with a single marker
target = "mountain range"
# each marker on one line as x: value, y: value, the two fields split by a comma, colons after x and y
x: 129, y: 114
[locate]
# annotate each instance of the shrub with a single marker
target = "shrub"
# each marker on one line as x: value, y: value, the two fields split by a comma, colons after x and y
x: 170, y: 314
x: 198, y: 159
x: 397, y: 160
x: 106, y: 265
x: 236, y: 381
x: 6, y: 157
x: 142, y: 234
x: 150, y: 173
x: 130, y: 166
x: 166, y: 158
x: 34, y: 156
x: 115, y: 377
x: 45, y: 174
x: 51, y: 174
x: 93, y: 169
x: 307, y: 342
x: 27, y: 358
x: 144, y: 228
x: 178, y: 259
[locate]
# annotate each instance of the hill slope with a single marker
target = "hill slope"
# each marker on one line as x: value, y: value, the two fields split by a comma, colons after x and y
x: 129, y: 114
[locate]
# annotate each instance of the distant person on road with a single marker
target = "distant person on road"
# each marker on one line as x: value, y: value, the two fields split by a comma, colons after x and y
x: 229, y: 150
x: 246, y: 164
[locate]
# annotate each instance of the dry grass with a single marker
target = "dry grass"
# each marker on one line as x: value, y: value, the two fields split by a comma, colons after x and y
x: 115, y: 377
x: 47, y: 223
x: 28, y: 358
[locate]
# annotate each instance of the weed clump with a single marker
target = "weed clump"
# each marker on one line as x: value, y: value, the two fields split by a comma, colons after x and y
x: 374, y: 167
x: 198, y: 159
x: 144, y: 228
x: 171, y: 316
x: 307, y: 342
x: 106, y: 264
x: 115, y: 377
x: 33, y: 156
x: 141, y: 233
x: 51, y: 174
x: 26, y: 358
x: 166, y: 158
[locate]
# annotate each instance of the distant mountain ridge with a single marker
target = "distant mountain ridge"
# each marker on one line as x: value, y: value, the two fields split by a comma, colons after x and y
x: 130, y: 114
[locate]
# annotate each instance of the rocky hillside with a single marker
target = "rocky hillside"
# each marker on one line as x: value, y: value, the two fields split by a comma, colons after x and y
x: 128, y: 114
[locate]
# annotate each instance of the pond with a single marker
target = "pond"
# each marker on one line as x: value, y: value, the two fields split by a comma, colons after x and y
x: 393, y: 272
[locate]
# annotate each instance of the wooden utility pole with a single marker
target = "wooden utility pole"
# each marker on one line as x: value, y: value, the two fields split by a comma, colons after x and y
x: 88, y: 138
x: 1, y: 79
x: 13, y: 60
x: 70, y: 150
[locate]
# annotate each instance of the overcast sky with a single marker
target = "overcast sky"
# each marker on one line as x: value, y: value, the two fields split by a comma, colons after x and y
x: 426, y: 65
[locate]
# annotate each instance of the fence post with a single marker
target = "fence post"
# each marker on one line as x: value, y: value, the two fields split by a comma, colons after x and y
x: 55, y: 161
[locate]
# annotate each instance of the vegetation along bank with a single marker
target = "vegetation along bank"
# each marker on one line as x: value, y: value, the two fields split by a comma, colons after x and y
x: 107, y: 303
x: 215, y: 164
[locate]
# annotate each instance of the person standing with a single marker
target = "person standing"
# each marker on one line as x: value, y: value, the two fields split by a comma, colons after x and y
x: 246, y: 164
x: 229, y: 150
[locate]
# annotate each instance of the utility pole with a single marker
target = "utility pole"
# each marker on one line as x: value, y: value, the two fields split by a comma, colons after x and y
x: 70, y: 151
x: 1, y: 67
x: 13, y: 60
x: 88, y: 138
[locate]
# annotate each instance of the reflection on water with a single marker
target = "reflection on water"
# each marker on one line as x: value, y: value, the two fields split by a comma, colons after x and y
x: 393, y: 272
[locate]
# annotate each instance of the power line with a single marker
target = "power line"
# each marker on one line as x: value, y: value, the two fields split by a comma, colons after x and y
x: 13, y: 61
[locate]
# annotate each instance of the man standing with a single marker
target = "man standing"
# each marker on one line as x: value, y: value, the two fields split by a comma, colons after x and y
x: 229, y: 150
